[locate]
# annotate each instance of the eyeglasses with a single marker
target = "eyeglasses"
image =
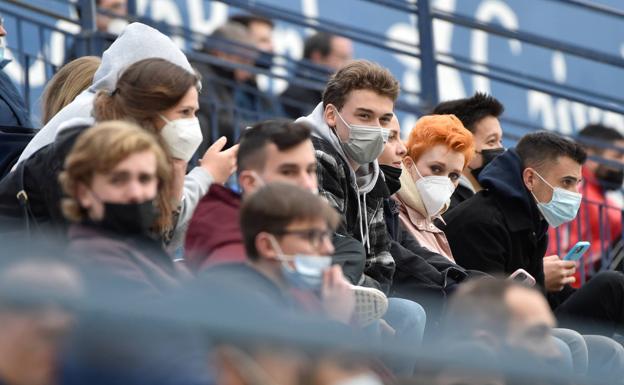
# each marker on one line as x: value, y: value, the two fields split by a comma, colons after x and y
x: 316, y: 237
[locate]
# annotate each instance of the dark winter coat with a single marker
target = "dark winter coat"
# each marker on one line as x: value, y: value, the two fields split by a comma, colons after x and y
x: 500, y: 229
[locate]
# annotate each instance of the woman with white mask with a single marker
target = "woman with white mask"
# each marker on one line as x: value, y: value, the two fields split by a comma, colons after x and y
x: 438, y: 148
x: 160, y: 97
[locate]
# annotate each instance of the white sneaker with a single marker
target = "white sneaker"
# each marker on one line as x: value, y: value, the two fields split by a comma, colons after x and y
x: 370, y: 305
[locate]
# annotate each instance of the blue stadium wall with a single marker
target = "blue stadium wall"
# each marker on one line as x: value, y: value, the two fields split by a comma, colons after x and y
x: 542, y: 17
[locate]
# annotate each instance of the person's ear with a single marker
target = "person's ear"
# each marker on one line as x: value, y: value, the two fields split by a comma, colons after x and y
x: 316, y: 57
x: 264, y: 246
x: 247, y: 181
x: 84, y: 196
x: 330, y: 115
x: 528, y: 177
x: 408, y: 162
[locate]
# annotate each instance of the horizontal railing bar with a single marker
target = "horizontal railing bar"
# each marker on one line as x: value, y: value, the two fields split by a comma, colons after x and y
x: 530, y: 38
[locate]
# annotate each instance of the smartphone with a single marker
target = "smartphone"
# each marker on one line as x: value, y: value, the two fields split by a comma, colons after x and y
x: 521, y: 276
x: 577, y: 251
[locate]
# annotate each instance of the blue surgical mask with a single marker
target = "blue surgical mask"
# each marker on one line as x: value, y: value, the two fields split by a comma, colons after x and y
x: 563, y: 206
x: 307, y: 273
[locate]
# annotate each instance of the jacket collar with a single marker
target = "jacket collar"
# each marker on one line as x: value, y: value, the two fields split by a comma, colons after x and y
x: 503, y: 179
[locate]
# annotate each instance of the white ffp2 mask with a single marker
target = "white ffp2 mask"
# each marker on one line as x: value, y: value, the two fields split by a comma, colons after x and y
x: 183, y: 136
x: 435, y: 192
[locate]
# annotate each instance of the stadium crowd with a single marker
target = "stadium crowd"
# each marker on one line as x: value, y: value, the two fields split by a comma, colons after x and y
x: 163, y: 194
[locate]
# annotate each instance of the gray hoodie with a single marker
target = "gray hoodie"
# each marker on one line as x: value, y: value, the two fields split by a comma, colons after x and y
x: 137, y: 42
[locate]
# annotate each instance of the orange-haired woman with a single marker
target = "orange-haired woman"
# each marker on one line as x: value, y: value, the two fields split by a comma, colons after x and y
x: 438, y: 148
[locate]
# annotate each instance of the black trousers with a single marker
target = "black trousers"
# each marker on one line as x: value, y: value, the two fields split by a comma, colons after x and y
x: 596, y: 308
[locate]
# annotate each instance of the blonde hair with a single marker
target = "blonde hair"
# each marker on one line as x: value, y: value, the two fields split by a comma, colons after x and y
x: 98, y: 150
x: 73, y: 78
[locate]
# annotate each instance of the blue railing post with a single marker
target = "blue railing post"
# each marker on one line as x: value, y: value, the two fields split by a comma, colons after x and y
x: 87, y: 15
x: 132, y: 8
x: 428, y: 67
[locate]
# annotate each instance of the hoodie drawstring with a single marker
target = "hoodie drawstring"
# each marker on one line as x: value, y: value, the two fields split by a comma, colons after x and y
x: 365, y: 237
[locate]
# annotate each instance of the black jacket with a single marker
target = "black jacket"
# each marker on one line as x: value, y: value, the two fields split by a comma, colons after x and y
x: 13, y: 111
x: 460, y: 194
x: 499, y: 230
x: 38, y: 177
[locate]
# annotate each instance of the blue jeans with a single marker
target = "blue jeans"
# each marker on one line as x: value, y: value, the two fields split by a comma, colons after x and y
x: 408, y: 319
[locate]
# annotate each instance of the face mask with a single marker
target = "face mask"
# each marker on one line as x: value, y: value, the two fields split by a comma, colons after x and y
x: 392, y: 175
x: 116, y: 26
x: 183, y: 136
x: 562, y: 207
x: 365, y: 143
x: 435, y: 192
x: 488, y: 156
x: 129, y: 218
x: 609, y: 179
x: 308, y: 271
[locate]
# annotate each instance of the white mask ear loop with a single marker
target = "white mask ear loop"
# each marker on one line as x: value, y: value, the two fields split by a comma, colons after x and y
x: 543, y: 180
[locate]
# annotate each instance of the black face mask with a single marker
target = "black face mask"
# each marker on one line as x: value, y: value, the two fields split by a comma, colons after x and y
x: 488, y: 156
x: 264, y: 60
x: 609, y: 179
x: 392, y: 175
x: 129, y: 218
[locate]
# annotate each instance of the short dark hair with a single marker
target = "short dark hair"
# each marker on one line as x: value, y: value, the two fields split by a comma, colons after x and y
x: 319, y: 42
x: 360, y: 75
x: 246, y: 19
x: 471, y: 110
x: 598, y: 132
x: 536, y: 148
x: 284, y: 133
x: 273, y: 207
x: 479, y: 304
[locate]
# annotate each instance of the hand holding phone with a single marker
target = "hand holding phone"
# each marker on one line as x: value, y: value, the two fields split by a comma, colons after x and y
x: 522, y: 277
x: 577, y: 251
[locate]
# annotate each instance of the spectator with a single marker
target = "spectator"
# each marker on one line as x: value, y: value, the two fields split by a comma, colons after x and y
x: 349, y: 133
x: 288, y: 245
x: 13, y: 110
x: 598, y: 179
x: 162, y: 98
x: 232, y: 99
x: 479, y: 115
x: 138, y: 42
x: 292, y: 247
x: 421, y: 275
x: 115, y: 199
x: 509, y: 318
x: 274, y: 150
x: 270, y: 151
x: 105, y: 23
x: 327, y: 54
x: 439, y: 148
x: 504, y: 228
x: 34, y: 294
x: 260, y: 31
x: 108, y: 28
x: 512, y: 320
x: 69, y: 82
